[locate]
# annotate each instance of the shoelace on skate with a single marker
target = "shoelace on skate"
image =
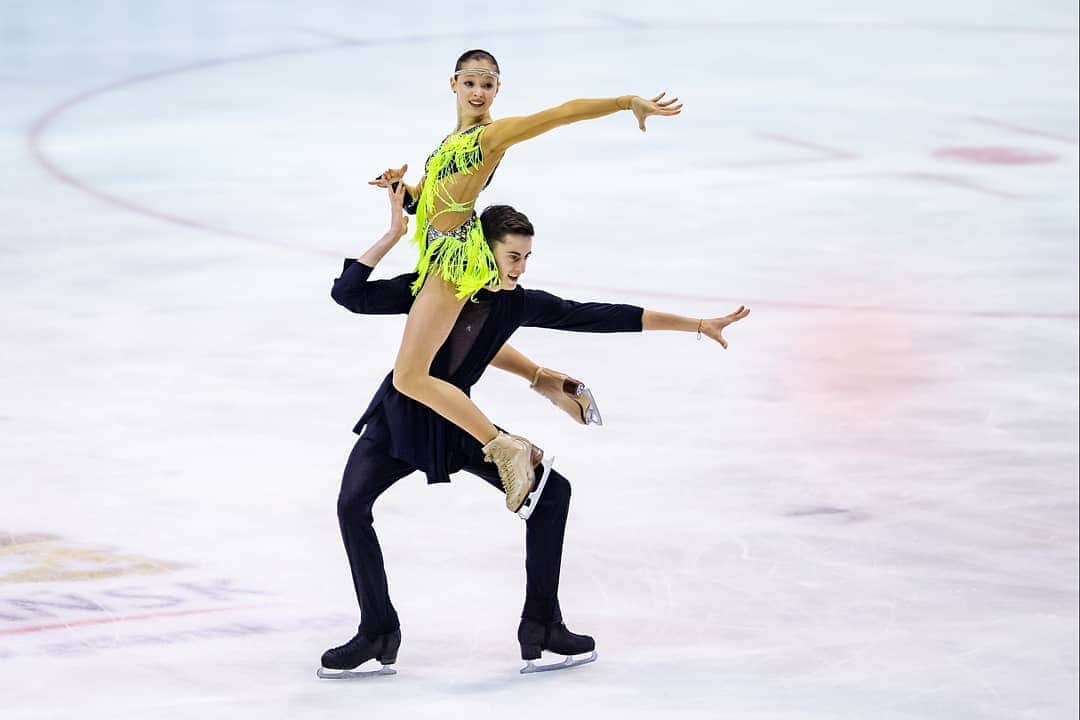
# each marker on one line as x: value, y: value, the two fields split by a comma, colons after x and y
x: 506, y: 468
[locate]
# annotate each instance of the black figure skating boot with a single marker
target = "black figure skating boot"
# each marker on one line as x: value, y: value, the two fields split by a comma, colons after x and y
x: 340, y: 662
x: 554, y: 637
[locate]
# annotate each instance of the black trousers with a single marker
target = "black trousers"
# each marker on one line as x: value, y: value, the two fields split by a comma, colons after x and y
x: 370, y: 471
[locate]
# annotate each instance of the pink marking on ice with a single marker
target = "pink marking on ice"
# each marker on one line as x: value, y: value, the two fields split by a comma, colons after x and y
x: 996, y: 155
x: 853, y: 377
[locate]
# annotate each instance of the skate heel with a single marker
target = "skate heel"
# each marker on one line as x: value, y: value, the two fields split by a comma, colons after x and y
x: 589, y: 410
x: 530, y: 637
x: 542, y: 471
x: 569, y: 395
x: 391, y: 643
x: 343, y: 663
x: 530, y: 652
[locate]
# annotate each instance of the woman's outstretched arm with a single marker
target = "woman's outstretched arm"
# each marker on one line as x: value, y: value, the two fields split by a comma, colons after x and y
x: 501, y: 134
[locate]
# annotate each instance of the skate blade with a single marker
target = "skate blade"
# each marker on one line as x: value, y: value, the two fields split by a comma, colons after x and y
x: 533, y: 497
x: 569, y: 662
x: 354, y: 674
x: 589, y: 411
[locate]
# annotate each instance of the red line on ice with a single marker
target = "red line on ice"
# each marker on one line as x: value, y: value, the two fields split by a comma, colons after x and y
x: 37, y: 130
x: 109, y: 620
x: 953, y: 180
x: 956, y: 182
x: 825, y: 149
x: 825, y: 153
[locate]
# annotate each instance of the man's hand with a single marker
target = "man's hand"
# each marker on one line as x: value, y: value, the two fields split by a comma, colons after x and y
x: 643, y: 108
x: 399, y: 221
x: 715, y: 326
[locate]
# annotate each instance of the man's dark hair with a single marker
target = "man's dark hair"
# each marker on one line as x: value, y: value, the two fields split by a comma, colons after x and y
x: 476, y: 55
x: 499, y: 221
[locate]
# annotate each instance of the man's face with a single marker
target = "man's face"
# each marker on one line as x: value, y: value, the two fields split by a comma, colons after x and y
x: 511, y: 255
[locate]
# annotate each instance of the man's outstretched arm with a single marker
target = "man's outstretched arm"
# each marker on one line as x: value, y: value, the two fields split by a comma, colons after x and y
x: 711, y: 327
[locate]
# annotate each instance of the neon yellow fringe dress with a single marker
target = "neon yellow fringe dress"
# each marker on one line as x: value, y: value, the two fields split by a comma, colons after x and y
x: 460, y: 256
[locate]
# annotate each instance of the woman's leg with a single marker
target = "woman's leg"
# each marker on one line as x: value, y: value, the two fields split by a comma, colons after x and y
x: 426, y: 328
x: 429, y: 323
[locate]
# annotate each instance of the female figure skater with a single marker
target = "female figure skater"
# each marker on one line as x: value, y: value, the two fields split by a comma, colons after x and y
x: 400, y: 435
x: 455, y: 261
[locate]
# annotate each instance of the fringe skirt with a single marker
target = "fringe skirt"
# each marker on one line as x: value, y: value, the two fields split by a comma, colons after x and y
x: 462, y: 257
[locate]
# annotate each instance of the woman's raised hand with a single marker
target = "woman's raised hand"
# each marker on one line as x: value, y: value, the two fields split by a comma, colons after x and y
x: 390, y: 176
x: 399, y: 221
x: 714, y: 327
x: 643, y: 108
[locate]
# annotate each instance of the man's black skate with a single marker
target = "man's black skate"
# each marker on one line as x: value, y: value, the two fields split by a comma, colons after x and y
x: 535, y: 637
x: 340, y: 662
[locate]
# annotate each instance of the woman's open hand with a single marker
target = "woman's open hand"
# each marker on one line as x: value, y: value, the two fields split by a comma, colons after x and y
x: 643, y: 108
x: 390, y: 176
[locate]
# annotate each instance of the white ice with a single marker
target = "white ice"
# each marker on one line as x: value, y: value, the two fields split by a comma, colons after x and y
x: 867, y: 507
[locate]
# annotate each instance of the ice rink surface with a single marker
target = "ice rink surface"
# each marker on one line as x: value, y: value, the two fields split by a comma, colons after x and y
x: 866, y: 508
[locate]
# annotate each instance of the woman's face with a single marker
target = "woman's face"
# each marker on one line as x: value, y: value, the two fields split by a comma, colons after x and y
x: 511, y: 255
x: 475, y: 91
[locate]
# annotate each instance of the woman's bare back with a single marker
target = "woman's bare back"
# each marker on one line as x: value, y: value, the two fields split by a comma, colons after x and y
x: 464, y: 189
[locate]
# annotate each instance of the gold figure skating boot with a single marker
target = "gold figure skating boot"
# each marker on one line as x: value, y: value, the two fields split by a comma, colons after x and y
x: 513, y: 456
x: 569, y: 395
x: 542, y: 465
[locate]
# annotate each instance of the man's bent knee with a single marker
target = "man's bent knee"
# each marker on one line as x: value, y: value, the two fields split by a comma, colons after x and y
x: 558, y: 489
x: 354, y: 510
